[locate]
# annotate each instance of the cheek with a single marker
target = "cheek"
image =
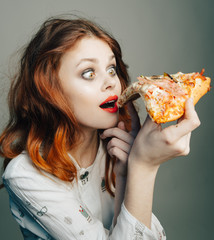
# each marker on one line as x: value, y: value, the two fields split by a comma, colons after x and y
x: 80, y: 95
x: 89, y: 114
x: 84, y: 104
x: 119, y: 86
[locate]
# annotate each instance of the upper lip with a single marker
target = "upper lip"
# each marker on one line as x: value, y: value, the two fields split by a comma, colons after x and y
x: 109, y: 99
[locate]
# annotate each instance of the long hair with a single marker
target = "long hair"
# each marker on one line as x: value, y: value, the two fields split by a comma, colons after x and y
x: 41, y: 121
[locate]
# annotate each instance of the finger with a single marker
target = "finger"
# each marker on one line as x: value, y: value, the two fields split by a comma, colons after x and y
x: 118, y: 133
x: 186, y: 115
x: 135, y: 120
x: 150, y: 125
x: 121, y: 125
x: 115, y: 142
x: 118, y: 153
x: 190, y: 118
x: 187, y: 124
x: 183, y: 145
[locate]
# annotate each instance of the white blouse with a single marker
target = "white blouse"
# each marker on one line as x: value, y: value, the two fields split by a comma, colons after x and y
x: 46, y: 207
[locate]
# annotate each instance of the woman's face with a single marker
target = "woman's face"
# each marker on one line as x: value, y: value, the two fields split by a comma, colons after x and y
x: 88, y: 78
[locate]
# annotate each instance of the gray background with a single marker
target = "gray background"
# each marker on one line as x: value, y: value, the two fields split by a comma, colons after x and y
x: 155, y: 36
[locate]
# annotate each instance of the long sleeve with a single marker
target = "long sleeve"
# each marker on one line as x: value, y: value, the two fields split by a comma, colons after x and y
x: 135, y: 229
x: 52, y: 209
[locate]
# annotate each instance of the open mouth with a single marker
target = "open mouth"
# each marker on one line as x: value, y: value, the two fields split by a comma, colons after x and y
x: 110, y: 104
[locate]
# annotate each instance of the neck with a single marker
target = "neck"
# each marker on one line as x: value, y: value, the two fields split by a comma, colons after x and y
x: 86, y: 151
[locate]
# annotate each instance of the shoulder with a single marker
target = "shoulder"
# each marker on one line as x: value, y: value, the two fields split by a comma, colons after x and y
x: 21, y: 173
x: 19, y: 166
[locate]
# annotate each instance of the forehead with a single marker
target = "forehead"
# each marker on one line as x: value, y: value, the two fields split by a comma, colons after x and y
x: 90, y: 47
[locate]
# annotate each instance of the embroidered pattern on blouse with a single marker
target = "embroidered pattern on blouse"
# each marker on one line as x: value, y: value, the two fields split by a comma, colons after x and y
x: 139, y: 229
x: 103, y: 185
x: 42, y: 211
x: 28, y: 203
x: 68, y: 220
x: 85, y: 214
x: 21, y: 214
x: 161, y: 235
x: 163, y: 232
x: 84, y: 178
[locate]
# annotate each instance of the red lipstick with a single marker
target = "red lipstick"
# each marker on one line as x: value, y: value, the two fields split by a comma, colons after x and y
x: 110, y: 104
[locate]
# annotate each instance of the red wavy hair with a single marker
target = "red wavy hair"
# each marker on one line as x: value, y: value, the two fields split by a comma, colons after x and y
x: 41, y: 121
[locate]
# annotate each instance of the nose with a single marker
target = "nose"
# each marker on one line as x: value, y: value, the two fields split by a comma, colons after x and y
x: 109, y: 83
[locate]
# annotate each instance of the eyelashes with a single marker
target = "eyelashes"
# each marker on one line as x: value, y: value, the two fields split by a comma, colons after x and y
x: 112, y: 70
x: 90, y: 73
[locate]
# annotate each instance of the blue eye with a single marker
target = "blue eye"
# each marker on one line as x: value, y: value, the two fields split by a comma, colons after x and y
x: 112, y: 71
x: 88, y: 74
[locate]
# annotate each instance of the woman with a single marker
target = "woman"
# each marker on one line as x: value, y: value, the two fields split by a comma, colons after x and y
x: 75, y: 166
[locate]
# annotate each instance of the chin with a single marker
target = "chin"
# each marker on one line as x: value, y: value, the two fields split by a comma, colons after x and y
x: 109, y: 124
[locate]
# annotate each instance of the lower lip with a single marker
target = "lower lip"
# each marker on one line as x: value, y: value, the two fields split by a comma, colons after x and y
x: 111, y: 110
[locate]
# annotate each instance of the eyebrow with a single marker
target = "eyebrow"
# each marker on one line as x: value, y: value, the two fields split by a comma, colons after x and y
x: 93, y: 60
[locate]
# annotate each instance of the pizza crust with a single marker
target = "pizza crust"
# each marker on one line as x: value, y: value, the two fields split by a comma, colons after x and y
x: 201, y: 88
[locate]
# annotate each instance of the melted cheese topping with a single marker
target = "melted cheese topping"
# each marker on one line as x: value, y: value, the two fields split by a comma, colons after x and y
x: 164, y: 95
x: 163, y: 105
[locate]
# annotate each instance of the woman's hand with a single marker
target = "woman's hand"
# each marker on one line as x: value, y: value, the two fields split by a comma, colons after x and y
x: 121, y: 141
x: 154, y: 145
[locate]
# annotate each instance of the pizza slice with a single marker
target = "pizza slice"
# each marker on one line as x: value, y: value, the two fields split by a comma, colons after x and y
x: 164, y: 95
